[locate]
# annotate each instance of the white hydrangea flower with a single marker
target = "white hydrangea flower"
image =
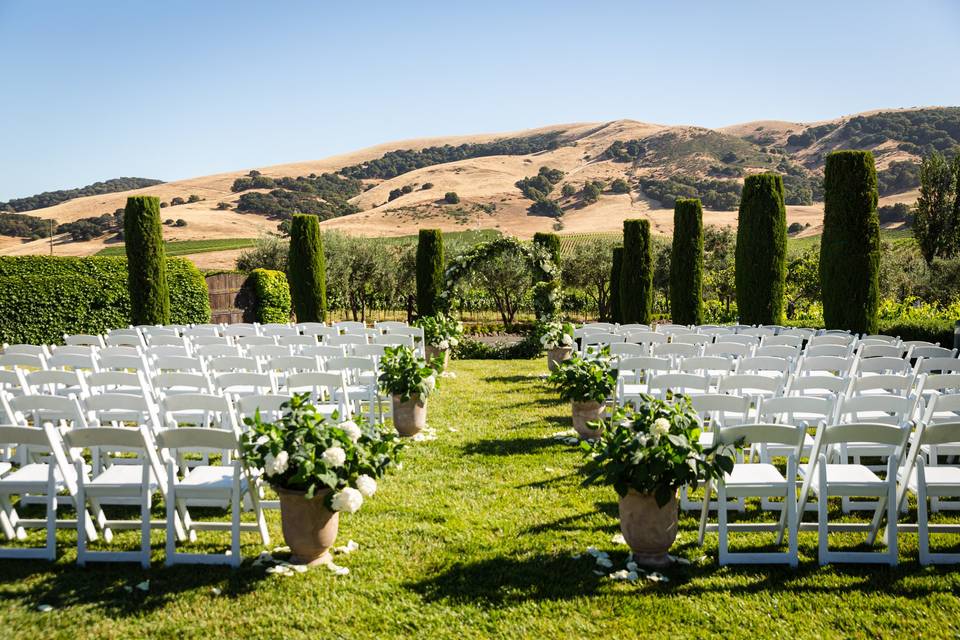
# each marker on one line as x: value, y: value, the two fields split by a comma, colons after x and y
x: 275, y: 465
x: 567, y: 339
x: 430, y: 383
x: 443, y: 344
x: 351, y: 429
x: 262, y: 440
x: 366, y: 485
x: 348, y: 500
x: 661, y: 427
x: 453, y: 342
x: 334, y: 456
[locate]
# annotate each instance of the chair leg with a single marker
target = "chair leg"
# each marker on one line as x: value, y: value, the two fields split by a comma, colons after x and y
x: 235, y: 519
x: 145, y: 529
x: 51, y: 517
x: 81, y: 525
x: 704, y: 512
x: 891, y: 530
x: 8, y: 520
x: 923, y: 532
x: 722, y: 523
x: 823, y: 552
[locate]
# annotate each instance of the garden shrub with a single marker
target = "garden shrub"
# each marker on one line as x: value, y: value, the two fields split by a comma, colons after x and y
x: 636, y: 273
x: 615, y: 284
x: 686, y: 263
x: 550, y: 242
x: 761, y: 250
x: 430, y: 274
x: 147, y: 272
x: 273, y: 295
x: 850, y: 246
x: 44, y: 297
x: 307, y: 269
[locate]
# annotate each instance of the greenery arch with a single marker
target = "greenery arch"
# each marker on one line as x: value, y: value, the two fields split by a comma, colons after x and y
x: 547, y: 295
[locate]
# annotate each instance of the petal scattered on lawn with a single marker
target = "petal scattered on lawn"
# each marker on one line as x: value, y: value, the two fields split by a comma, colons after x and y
x: 618, y: 539
x: 549, y: 469
x: 605, y: 562
x: 44, y: 608
x: 144, y: 586
x: 426, y: 435
x: 337, y: 570
x: 599, y: 573
x: 452, y: 430
x: 350, y: 547
x: 281, y: 550
x: 631, y: 566
x: 563, y: 435
x: 657, y: 577
x: 215, y: 591
x: 623, y: 574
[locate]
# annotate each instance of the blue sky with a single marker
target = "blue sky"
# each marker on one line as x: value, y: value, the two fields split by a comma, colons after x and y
x: 169, y: 90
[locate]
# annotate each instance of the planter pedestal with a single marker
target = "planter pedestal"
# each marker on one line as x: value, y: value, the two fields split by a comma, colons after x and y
x: 432, y: 352
x: 409, y: 417
x: 556, y: 356
x: 309, y: 528
x: 649, y: 529
x: 584, y: 412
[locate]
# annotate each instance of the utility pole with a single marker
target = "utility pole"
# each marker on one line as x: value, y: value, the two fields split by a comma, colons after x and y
x: 50, y: 235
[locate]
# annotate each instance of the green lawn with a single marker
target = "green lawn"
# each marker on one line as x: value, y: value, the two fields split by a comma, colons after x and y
x: 474, y: 537
x: 187, y: 247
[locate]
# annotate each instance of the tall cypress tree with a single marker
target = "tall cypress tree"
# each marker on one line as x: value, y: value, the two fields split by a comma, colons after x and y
x: 430, y: 276
x: 686, y: 262
x: 307, y: 266
x: 850, y: 246
x: 146, y: 261
x: 636, y: 273
x: 615, y: 315
x: 761, y: 250
x: 550, y: 242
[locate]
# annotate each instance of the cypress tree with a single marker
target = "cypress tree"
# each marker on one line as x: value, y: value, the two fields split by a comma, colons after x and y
x: 307, y: 266
x: 430, y: 277
x: 761, y: 250
x: 146, y: 262
x: 550, y: 242
x: 636, y: 273
x: 850, y: 246
x: 686, y: 262
x: 615, y: 284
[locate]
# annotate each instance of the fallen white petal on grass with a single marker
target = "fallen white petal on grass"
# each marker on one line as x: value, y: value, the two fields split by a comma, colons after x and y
x: 679, y: 560
x: 604, y: 562
x: 657, y: 577
x: 452, y: 430
x: 337, y: 569
x: 426, y: 435
x: 350, y: 547
x: 448, y: 374
x: 549, y: 469
x: 280, y: 550
x: 572, y: 440
x: 623, y: 574
x: 618, y: 539
x: 44, y: 608
x: 144, y: 586
x: 563, y: 435
x: 215, y: 591
x: 280, y: 570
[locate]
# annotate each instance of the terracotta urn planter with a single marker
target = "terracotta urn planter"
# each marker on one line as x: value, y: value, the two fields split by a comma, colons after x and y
x: 309, y: 527
x: 584, y: 412
x: 409, y: 417
x: 557, y: 355
x: 432, y: 352
x: 649, y: 529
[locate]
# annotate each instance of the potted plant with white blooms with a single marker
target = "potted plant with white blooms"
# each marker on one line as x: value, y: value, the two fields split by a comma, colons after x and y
x: 557, y: 338
x: 441, y: 333
x: 319, y: 467
x: 409, y: 379
x: 586, y: 383
x: 647, y: 454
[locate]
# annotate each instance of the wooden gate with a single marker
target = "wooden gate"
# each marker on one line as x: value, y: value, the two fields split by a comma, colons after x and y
x: 232, y: 298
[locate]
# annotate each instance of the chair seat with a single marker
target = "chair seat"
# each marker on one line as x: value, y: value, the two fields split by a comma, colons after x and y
x: 209, y: 478
x: 120, y: 478
x: 30, y: 477
x: 4, y: 467
x: 634, y: 390
x: 755, y: 480
x: 850, y: 480
x: 941, y: 480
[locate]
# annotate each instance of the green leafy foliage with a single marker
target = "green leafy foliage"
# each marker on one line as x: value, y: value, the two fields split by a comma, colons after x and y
x: 636, y: 273
x: 898, y: 177
x: 936, y: 223
x: 147, y: 267
x: 761, y: 250
x: 44, y: 297
x: 620, y: 186
x: 50, y: 198
x: 405, y: 374
x: 686, y: 263
x: 616, y: 265
x: 430, y: 271
x: 18, y: 225
x: 273, y: 295
x: 850, y: 246
x: 719, y: 195
x: 591, y: 192
x: 93, y: 227
x: 580, y: 379
x: 451, y: 197
x: 307, y: 270
x: 440, y: 330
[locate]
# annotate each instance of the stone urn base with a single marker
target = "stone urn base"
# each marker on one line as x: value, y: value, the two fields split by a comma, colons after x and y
x: 556, y: 356
x: 649, y: 529
x: 409, y: 417
x: 432, y: 352
x: 584, y: 412
x: 309, y: 528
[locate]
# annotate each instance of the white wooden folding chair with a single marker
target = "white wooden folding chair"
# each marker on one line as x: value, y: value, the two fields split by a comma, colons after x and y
x: 280, y: 330
x: 245, y: 342
x: 244, y: 383
x: 930, y: 351
x: 54, y: 382
x: 241, y: 330
x: 633, y: 375
x: 41, y: 480
x: 829, y: 350
x: 728, y: 350
x: 360, y: 375
x: 645, y: 337
x: 765, y: 366
x: 665, y: 384
x: 178, y: 382
x: 329, y: 391
x: 715, y: 410
x: 83, y: 340
x: 752, y: 385
x: 750, y: 479
x: 229, y: 364
x: 782, y: 340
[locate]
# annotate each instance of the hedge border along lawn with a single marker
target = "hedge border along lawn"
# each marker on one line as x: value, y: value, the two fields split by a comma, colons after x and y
x: 850, y: 246
x: 636, y: 273
x: 431, y: 280
x: 307, y: 268
x: 483, y: 534
x: 761, y: 267
x: 44, y: 297
x: 146, y: 262
x: 686, y: 262
x: 273, y: 295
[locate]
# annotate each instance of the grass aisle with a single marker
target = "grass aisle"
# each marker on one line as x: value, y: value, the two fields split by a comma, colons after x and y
x: 474, y: 537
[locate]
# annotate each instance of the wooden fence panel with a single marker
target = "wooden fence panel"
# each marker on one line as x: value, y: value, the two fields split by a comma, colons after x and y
x: 232, y: 300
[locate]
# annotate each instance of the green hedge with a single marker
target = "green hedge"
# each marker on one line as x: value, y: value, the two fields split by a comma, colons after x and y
x: 615, y: 284
x: 430, y: 275
x: 147, y: 273
x: 44, y: 297
x: 307, y: 269
x: 686, y: 262
x: 636, y: 273
x: 930, y: 330
x: 273, y: 295
x: 550, y: 242
x: 761, y: 250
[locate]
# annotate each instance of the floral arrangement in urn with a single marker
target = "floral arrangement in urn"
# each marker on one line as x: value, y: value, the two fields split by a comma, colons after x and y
x: 409, y: 379
x: 319, y: 467
x: 647, y: 454
x: 586, y: 383
x: 441, y: 333
x: 557, y: 338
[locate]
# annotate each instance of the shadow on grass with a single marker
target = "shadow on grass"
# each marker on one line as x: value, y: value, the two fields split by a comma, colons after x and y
x: 508, y: 446
x: 512, y: 378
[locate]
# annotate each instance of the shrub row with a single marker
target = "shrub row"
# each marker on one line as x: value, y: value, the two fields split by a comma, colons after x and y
x: 44, y: 297
x: 273, y: 295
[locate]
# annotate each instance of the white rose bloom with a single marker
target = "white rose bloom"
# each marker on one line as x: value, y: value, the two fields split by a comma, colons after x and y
x: 334, y: 456
x: 351, y: 429
x: 262, y: 440
x: 349, y: 500
x: 366, y: 485
x: 275, y: 465
x: 661, y: 427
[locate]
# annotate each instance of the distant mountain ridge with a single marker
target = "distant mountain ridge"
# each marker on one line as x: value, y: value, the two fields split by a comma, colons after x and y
x: 51, y: 198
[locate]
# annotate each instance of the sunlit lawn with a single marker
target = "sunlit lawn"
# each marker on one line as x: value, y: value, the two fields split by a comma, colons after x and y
x: 475, y: 537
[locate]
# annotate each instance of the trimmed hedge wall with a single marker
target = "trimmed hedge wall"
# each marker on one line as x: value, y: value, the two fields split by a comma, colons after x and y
x: 615, y: 284
x: 307, y: 269
x: 147, y: 273
x: 44, y: 297
x: 636, y: 273
x: 430, y: 277
x: 550, y: 242
x: 686, y: 262
x: 273, y: 295
x: 850, y: 245
x: 761, y: 256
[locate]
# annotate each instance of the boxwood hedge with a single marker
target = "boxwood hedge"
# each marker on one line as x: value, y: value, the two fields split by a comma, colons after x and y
x: 273, y: 295
x: 44, y: 297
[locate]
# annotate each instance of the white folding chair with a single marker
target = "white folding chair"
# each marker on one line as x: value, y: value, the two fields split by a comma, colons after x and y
x: 645, y: 337
x: 931, y: 351
x: 634, y: 373
x: 782, y: 340
x: 54, y: 382
x: 662, y: 385
x: 765, y: 366
x: 728, y: 350
x: 752, y: 385
x: 280, y: 331
x: 328, y: 391
x: 130, y: 382
x: 177, y: 382
x: 84, y: 340
x: 224, y: 364
x: 244, y: 383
